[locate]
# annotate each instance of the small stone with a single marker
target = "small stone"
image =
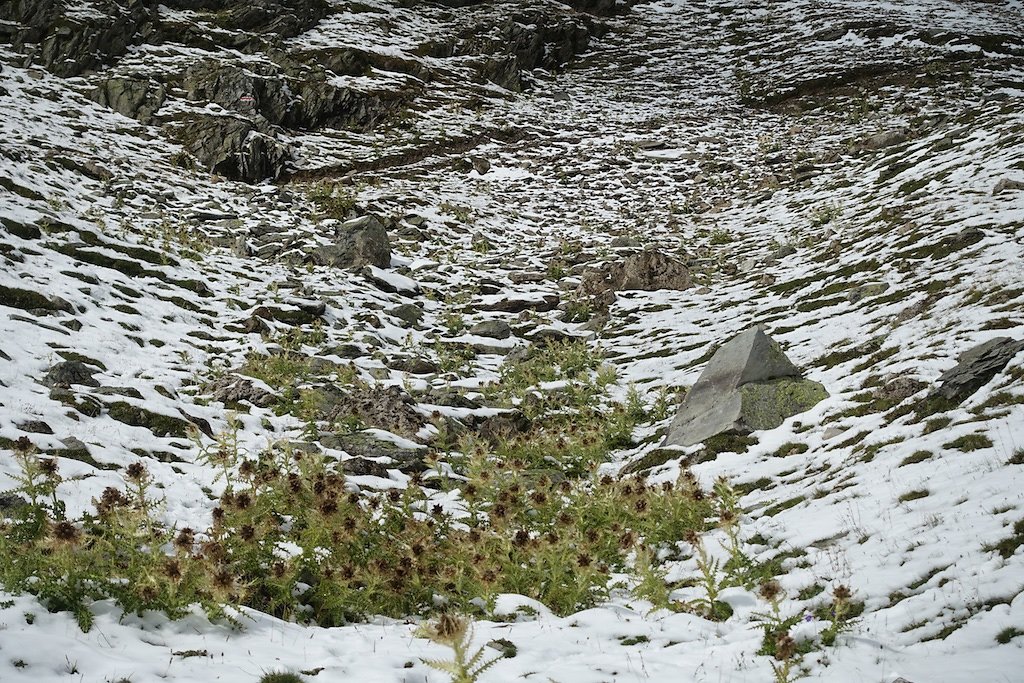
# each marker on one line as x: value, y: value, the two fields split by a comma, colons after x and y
x: 68, y: 373
x: 409, y: 314
x: 494, y: 329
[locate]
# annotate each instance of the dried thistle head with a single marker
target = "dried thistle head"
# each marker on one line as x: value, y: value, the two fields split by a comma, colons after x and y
x: 785, y: 647
x: 136, y: 472
x: 841, y: 593
x: 448, y: 629
x: 185, y: 539
x: 48, y: 466
x: 770, y: 590
x: 65, y: 533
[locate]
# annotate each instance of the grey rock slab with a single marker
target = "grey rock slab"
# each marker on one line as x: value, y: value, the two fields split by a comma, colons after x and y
x: 409, y: 314
x: 495, y: 329
x: 70, y: 372
x: 748, y: 384
x: 976, y: 367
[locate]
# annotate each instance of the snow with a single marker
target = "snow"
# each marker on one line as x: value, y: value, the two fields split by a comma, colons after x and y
x: 581, y: 178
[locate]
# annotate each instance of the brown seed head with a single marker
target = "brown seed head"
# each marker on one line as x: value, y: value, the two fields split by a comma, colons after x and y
x: 136, y: 472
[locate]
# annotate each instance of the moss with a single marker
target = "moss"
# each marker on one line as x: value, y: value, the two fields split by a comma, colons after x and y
x: 28, y: 300
x: 634, y: 640
x: 762, y: 484
x: 834, y: 358
x: 790, y: 448
x: 656, y: 458
x: 1008, y: 546
x: 815, y: 304
x: 932, y: 404
x: 158, y: 258
x: 969, y: 442
x: 728, y: 443
x: 916, y: 457
x: 842, y: 273
x: 1008, y: 634
x: 810, y: 592
x: 876, y: 358
x: 160, y: 425
x: 913, y: 495
x: 784, y: 505
x: 766, y: 405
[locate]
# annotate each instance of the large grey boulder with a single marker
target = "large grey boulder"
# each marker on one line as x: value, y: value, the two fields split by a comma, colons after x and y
x: 749, y: 384
x: 138, y: 97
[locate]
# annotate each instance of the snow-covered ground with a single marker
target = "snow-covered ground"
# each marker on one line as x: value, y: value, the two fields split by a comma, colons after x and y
x: 656, y: 134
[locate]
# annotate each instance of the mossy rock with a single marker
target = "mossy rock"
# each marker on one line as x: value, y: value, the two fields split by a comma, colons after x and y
x: 766, y: 405
x: 28, y: 300
x: 159, y: 424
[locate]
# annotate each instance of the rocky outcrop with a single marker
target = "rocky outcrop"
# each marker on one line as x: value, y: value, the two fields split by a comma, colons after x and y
x: 71, y: 43
x: 748, y: 384
x: 290, y: 93
x: 533, y: 39
x: 648, y: 270
x: 232, y: 391
x: 232, y: 146
x: 70, y: 372
x: 138, y: 97
x: 386, y: 408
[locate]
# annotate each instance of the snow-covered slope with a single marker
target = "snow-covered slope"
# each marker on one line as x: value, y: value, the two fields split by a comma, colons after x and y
x: 849, y: 174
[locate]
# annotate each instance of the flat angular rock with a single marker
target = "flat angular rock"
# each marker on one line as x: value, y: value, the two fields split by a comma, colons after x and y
x: 749, y: 384
x: 70, y: 372
x: 976, y: 367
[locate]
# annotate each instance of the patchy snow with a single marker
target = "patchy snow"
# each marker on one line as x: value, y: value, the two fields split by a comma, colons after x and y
x: 724, y: 191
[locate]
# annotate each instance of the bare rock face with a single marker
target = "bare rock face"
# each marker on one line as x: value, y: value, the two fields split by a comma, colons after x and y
x: 233, y: 390
x: 137, y: 97
x: 387, y: 408
x: 69, y: 43
x: 748, y: 384
x: 233, y: 147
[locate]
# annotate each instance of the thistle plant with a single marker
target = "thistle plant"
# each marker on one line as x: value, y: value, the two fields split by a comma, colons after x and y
x: 710, y: 580
x: 785, y: 655
x: 775, y: 625
x: 455, y: 633
x: 840, y: 612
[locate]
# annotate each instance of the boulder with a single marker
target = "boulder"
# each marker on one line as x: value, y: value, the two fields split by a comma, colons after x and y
x: 70, y: 372
x: 375, y: 456
x: 748, y: 384
x: 232, y: 390
x: 387, y: 408
x: 648, y: 270
x: 494, y: 329
x: 974, y: 369
x: 358, y: 242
